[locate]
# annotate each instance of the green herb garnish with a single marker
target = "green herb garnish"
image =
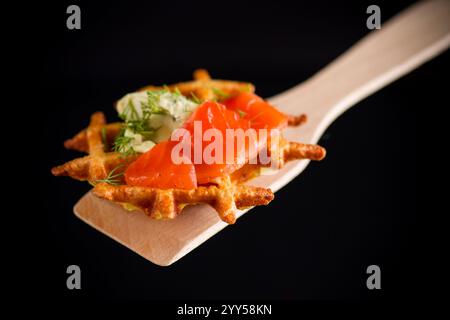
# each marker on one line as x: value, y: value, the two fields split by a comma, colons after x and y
x: 136, y: 123
x: 129, y: 113
x: 139, y: 126
x: 247, y: 88
x: 177, y: 91
x: 122, y: 144
x: 153, y: 106
x: 112, y: 178
x: 195, y: 99
x: 241, y: 113
x: 104, y: 139
x: 220, y: 94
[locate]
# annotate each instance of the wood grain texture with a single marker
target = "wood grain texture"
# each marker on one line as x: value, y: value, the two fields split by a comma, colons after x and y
x: 408, y: 40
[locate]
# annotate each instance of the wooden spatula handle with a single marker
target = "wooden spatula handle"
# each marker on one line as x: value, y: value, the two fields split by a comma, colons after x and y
x: 408, y: 40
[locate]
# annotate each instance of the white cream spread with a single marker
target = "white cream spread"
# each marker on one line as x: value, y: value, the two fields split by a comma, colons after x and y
x: 150, y: 117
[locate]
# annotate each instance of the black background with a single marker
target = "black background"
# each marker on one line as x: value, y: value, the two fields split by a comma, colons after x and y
x: 315, y: 240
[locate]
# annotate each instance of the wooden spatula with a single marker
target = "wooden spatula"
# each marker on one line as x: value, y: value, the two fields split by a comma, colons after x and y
x: 403, y: 43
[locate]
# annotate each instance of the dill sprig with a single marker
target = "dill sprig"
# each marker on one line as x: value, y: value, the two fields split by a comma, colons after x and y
x: 129, y: 113
x: 241, y: 113
x: 136, y: 123
x: 153, y: 103
x: 177, y: 91
x: 122, y: 144
x: 195, y: 99
x: 247, y: 88
x: 113, y: 177
x: 137, y: 118
x: 221, y: 94
x: 104, y: 139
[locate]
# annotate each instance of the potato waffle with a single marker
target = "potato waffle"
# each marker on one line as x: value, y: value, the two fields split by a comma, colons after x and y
x: 104, y: 168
